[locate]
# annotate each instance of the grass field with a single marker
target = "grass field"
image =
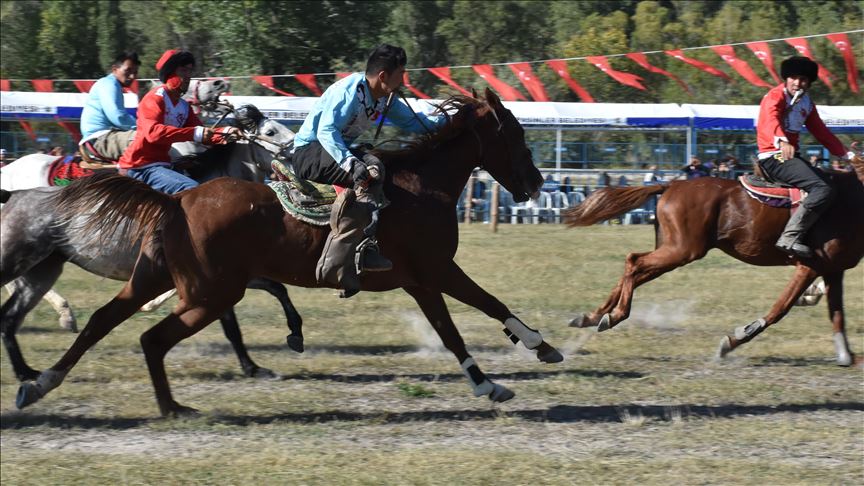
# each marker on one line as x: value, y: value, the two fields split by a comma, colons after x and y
x: 376, y: 400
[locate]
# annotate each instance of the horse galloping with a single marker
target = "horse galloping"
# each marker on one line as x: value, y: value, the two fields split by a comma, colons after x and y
x: 192, y: 235
x: 697, y: 215
x: 35, y: 243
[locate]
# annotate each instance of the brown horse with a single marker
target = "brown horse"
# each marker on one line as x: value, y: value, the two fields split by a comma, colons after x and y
x: 697, y: 215
x: 193, y: 234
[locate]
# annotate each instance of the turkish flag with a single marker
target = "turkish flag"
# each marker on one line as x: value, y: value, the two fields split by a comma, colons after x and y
x: 763, y: 52
x: 308, y: 80
x: 601, y: 63
x: 727, y: 53
x: 642, y: 60
x: 43, y: 85
x: 525, y: 74
x: 412, y: 89
x: 800, y: 44
x: 560, y: 67
x: 679, y: 54
x: 5, y: 85
x: 509, y: 93
x: 84, y: 85
x: 841, y: 41
x: 443, y: 73
x: 267, y: 82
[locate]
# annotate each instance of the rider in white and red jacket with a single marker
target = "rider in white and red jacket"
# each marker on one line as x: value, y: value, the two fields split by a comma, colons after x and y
x: 783, y: 113
x: 165, y: 118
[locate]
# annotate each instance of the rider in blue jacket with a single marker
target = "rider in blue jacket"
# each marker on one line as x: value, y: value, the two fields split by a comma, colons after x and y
x: 322, y: 154
x: 105, y: 123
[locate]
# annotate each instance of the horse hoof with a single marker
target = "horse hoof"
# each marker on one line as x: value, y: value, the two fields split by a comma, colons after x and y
x: 548, y: 354
x: 725, y: 347
x: 605, y: 323
x: 501, y: 393
x: 581, y: 321
x: 69, y: 324
x: 28, y: 394
x: 845, y: 359
x: 178, y: 411
x: 263, y: 373
x: 295, y: 343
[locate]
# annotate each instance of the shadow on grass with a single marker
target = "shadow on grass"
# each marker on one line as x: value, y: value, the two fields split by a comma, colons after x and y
x: 225, y: 348
x: 556, y: 414
x: 446, y: 377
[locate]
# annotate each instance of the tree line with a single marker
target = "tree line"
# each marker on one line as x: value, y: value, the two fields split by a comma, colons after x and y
x: 75, y: 39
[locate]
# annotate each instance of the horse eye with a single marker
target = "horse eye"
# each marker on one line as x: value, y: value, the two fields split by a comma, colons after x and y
x: 270, y: 133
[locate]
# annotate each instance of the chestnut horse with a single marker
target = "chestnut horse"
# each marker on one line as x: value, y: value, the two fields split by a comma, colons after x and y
x: 697, y: 215
x: 194, y: 235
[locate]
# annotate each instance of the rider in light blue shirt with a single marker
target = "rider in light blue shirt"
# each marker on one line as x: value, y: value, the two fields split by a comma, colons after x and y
x: 105, y: 123
x: 322, y: 154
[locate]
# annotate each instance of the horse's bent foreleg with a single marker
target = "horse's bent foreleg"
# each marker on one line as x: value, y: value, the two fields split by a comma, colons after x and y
x: 803, y: 277
x: 159, y: 339
x: 834, y: 290
x: 61, y: 306
x: 24, y: 294
x: 232, y: 332
x: 456, y: 284
x: 146, y: 283
x: 295, y: 322
x: 435, y: 309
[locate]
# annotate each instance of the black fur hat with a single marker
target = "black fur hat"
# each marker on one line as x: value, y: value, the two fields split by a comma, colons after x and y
x: 799, y: 66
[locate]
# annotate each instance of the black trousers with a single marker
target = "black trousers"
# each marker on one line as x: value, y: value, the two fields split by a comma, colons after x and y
x: 313, y: 163
x: 798, y: 173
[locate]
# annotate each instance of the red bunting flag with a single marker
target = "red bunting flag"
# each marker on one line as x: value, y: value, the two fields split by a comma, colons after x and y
x: 800, y: 44
x: 443, y: 73
x: 267, y: 82
x: 5, y: 85
x: 28, y: 129
x: 601, y: 63
x: 507, y: 92
x: 560, y: 67
x: 72, y: 128
x: 642, y: 60
x: 763, y: 52
x: 308, y: 80
x: 841, y: 41
x: 525, y: 74
x: 43, y: 85
x: 727, y: 53
x: 412, y: 89
x: 679, y: 54
x: 84, y: 85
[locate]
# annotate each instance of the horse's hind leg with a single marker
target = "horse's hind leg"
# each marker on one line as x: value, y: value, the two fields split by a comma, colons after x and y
x: 834, y: 292
x: 183, y: 322
x: 61, y: 306
x: 803, y: 277
x: 232, y: 331
x: 453, y: 282
x: 435, y: 309
x: 24, y: 294
x: 295, y: 322
x: 146, y: 282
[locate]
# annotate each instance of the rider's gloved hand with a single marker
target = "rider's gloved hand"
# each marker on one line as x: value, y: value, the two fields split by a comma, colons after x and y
x: 373, y: 166
x: 359, y: 172
x: 220, y: 136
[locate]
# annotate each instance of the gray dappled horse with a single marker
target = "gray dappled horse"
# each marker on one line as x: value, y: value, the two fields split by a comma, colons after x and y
x: 34, y: 246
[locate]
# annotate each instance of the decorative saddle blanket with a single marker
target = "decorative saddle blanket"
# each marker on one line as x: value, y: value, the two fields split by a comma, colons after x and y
x: 774, y: 195
x: 66, y: 169
x: 305, y: 200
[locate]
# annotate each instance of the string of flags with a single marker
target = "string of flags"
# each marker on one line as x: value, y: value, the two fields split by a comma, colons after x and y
x: 526, y: 75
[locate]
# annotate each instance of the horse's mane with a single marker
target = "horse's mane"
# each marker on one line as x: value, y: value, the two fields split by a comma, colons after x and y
x: 450, y: 130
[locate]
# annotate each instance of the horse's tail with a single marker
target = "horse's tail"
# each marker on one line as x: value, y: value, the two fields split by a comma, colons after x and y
x: 609, y: 202
x: 112, y: 205
x: 4, y: 196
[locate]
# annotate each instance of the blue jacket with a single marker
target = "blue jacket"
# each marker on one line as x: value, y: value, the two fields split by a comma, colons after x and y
x: 104, y: 108
x: 346, y: 110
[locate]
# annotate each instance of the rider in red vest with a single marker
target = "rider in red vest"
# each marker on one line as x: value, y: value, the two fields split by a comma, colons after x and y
x: 165, y: 118
x: 784, y: 111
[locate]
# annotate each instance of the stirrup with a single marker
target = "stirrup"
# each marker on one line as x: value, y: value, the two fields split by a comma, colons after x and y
x: 796, y: 249
x: 368, y: 258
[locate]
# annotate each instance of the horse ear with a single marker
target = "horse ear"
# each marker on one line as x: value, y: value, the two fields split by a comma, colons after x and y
x: 473, y: 93
x: 492, y: 98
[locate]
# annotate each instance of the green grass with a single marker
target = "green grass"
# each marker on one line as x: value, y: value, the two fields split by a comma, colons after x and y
x: 376, y: 400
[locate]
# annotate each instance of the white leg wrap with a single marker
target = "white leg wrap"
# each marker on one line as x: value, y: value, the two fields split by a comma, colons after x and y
x: 479, y: 389
x: 531, y: 339
x: 749, y: 330
x: 842, y: 349
x: 49, y: 380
